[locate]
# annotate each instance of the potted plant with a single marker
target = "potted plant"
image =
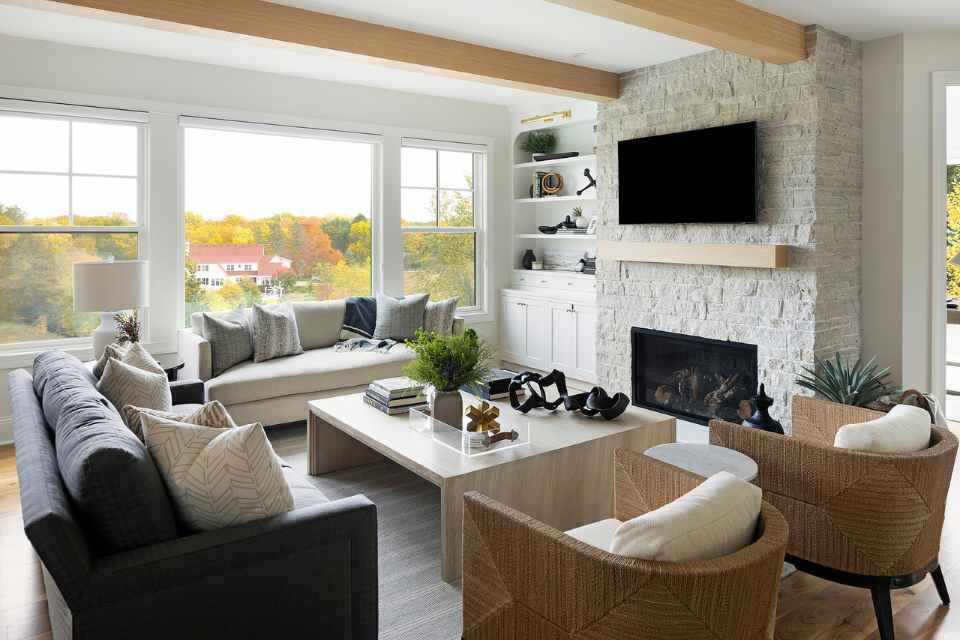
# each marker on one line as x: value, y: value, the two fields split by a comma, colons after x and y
x: 539, y: 143
x: 446, y: 363
x: 859, y: 385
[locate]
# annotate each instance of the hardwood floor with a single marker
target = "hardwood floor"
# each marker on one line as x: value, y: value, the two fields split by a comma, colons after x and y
x: 809, y: 608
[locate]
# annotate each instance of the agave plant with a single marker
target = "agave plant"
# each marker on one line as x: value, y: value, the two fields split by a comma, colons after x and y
x: 859, y: 385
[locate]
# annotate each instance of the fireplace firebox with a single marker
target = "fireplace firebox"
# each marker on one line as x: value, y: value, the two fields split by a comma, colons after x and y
x: 693, y: 378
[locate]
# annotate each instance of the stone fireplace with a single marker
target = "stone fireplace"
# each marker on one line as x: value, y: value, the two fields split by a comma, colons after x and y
x: 810, y: 163
x: 693, y: 378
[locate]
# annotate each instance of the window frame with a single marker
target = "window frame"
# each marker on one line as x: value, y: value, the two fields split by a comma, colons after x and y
x: 375, y: 140
x: 97, y: 115
x: 481, y: 154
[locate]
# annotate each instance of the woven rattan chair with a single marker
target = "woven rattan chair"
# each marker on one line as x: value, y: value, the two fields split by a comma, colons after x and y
x: 523, y: 579
x: 857, y: 518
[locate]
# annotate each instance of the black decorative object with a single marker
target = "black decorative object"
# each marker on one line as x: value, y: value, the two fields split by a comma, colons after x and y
x: 588, y: 265
x: 596, y: 401
x: 529, y: 257
x: 541, y: 157
x: 761, y: 415
x: 592, y: 183
x: 567, y: 223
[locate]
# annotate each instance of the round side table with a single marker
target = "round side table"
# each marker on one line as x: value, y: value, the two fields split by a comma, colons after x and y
x: 705, y: 459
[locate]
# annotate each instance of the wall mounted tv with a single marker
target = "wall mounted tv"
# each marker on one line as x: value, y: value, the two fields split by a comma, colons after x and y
x: 707, y: 175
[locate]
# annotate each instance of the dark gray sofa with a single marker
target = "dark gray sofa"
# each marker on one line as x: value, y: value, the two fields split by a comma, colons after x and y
x: 311, y: 572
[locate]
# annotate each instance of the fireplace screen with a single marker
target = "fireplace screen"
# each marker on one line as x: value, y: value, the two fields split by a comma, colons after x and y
x: 693, y: 378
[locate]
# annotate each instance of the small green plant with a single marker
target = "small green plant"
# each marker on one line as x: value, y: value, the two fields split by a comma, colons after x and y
x: 577, y: 211
x: 449, y: 362
x: 129, y: 327
x: 539, y: 142
x: 859, y: 385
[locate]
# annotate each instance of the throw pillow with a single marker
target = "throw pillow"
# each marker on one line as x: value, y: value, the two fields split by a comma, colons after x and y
x: 319, y: 323
x: 904, y: 430
x: 438, y: 317
x: 399, y: 318
x: 137, y: 356
x: 111, y: 351
x: 275, y: 332
x: 217, y: 477
x: 229, y: 340
x: 125, y: 384
x: 212, y: 414
x: 359, y: 317
x: 717, y: 518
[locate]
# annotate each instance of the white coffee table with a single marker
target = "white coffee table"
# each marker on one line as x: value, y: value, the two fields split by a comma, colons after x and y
x: 564, y: 477
x: 705, y: 459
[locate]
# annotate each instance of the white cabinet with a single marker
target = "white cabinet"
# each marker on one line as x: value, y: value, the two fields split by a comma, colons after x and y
x: 549, y: 333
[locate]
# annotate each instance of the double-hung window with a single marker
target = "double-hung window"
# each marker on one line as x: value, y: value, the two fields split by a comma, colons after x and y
x: 442, y: 219
x: 71, y: 190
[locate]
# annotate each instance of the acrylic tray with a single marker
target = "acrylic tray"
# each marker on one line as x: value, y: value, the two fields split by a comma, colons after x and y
x: 465, y: 442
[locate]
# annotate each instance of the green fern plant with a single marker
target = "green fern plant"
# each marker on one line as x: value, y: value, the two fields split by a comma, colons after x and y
x: 859, y: 385
x: 539, y: 142
x: 449, y: 362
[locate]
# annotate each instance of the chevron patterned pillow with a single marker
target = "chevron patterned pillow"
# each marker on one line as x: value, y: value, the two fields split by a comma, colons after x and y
x: 125, y: 384
x: 217, y: 477
x: 212, y: 414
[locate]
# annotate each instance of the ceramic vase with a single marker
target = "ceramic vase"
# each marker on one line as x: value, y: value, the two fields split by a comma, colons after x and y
x: 447, y: 407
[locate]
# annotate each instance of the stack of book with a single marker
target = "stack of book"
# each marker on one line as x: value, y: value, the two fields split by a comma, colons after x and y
x: 564, y: 231
x: 394, y: 396
x: 494, y: 387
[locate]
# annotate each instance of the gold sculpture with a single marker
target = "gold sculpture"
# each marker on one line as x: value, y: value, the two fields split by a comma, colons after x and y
x: 483, y: 417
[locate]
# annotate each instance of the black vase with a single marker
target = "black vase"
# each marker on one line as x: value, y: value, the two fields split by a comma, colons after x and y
x: 528, y: 259
x: 761, y: 418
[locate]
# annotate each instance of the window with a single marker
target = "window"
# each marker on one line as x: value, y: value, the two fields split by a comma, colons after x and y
x: 70, y: 191
x: 278, y: 213
x: 442, y: 216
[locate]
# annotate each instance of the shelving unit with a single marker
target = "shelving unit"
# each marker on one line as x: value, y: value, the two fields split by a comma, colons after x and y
x: 555, y: 237
x: 552, y: 199
x: 549, y: 164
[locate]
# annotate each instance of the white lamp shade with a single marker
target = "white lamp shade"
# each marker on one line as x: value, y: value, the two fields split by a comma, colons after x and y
x: 110, y: 286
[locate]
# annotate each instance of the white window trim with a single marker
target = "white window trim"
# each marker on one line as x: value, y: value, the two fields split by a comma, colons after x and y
x: 14, y: 354
x: 479, y: 311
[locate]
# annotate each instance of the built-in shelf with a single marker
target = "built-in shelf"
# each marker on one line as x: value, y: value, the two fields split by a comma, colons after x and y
x: 555, y: 236
x: 558, y: 273
x: 758, y: 256
x: 556, y: 163
x: 553, y: 199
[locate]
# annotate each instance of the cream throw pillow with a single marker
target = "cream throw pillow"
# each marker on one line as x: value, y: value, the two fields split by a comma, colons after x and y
x: 717, y: 518
x: 212, y: 414
x: 110, y: 351
x: 904, y: 430
x: 125, y: 384
x: 217, y: 477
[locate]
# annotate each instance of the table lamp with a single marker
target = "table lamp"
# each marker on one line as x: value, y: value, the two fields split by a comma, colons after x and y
x: 107, y: 288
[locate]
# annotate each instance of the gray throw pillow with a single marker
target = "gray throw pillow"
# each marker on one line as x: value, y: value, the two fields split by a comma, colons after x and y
x: 438, y: 317
x: 229, y: 340
x: 124, y: 384
x: 399, y: 319
x: 275, y: 332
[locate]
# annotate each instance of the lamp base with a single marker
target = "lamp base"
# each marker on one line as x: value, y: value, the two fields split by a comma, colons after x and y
x: 105, y: 334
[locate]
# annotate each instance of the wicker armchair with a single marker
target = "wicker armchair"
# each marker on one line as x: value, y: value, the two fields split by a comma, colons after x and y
x: 524, y: 579
x: 857, y: 518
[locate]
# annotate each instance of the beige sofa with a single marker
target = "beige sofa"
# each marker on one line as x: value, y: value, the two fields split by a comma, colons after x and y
x: 276, y: 391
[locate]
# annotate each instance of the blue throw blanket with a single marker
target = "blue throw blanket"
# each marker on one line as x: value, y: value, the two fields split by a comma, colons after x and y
x: 360, y: 319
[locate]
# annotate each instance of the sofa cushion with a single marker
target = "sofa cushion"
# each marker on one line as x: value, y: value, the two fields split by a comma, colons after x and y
x: 597, y: 534
x: 61, y: 380
x: 111, y: 479
x: 304, y: 493
x: 230, y: 339
x: 319, y: 323
x: 275, y: 332
x: 905, y: 429
x: 308, y: 372
x: 438, y: 316
x: 126, y: 384
x: 400, y: 318
x: 211, y: 414
x: 717, y: 518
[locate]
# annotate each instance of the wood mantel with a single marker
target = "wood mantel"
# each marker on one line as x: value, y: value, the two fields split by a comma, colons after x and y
x: 757, y: 256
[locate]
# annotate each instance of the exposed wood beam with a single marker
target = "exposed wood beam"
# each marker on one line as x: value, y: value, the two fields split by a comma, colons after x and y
x: 372, y: 42
x: 723, y: 24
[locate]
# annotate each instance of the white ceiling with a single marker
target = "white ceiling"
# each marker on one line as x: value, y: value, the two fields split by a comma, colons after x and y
x: 527, y: 26
x: 868, y: 19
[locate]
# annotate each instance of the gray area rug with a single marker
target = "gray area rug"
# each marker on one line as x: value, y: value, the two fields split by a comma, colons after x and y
x: 415, y: 604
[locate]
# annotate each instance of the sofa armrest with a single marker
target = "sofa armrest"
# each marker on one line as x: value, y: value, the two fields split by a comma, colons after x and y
x: 197, y: 358
x: 188, y: 391
x: 642, y: 483
x: 329, y: 547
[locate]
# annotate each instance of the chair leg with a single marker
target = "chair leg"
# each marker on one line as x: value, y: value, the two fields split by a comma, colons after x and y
x: 937, y: 575
x: 883, y: 610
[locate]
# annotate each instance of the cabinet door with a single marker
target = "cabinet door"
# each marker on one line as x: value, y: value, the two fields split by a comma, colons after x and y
x: 586, y: 341
x: 537, y: 334
x: 563, y: 338
x: 512, y: 330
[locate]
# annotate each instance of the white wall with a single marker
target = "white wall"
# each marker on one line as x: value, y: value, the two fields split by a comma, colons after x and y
x: 898, y: 175
x: 44, y: 70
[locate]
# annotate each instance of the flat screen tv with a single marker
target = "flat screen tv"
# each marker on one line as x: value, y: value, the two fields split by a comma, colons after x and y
x: 708, y: 175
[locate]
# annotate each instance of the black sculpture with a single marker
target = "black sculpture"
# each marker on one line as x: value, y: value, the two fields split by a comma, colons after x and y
x: 529, y: 257
x: 596, y: 401
x: 592, y: 183
x: 761, y: 418
x: 567, y: 223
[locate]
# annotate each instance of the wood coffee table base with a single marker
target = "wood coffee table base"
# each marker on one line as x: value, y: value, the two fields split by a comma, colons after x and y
x: 564, y: 486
